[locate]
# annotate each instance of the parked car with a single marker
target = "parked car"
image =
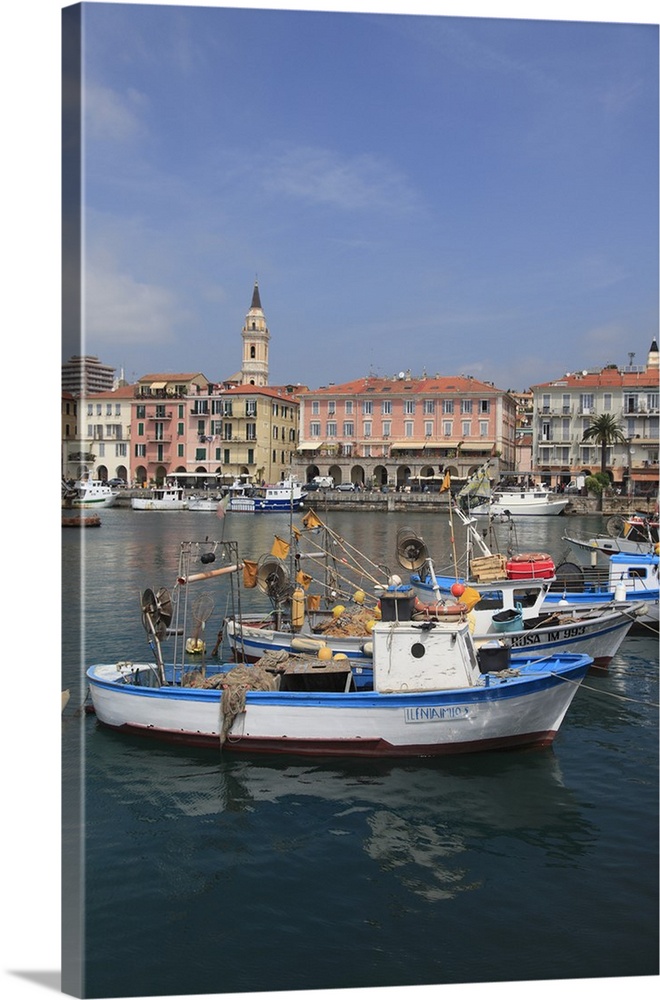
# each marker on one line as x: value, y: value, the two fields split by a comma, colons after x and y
x: 117, y: 482
x: 309, y: 487
x: 346, y: 487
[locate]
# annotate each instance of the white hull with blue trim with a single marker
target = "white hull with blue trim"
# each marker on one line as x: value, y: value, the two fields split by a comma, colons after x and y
x: 432, y: 693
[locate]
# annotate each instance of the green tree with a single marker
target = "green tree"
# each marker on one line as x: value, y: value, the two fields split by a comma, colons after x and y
x: 604, y: 430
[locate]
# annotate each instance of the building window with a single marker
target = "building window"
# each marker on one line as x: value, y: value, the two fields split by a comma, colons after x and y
x: 331, y: 429
x: 483, y: 428
x: 566, y: 403
x: 587, y: 402
x: 408, y: 426
x: 226, y: 431
x: 367, y: 407
x: 250, y: 460
x: 387, y: 428
x: 409, y: 406
x: 180, y: 429
x: 316, y: 407
x: 484, y: 406
x: 141, y: 412
x: 386, y: 406
x: 331, y: 407
x: 315, y: 429
x: 250, y: 407
x: 466, y: 428
x: 275, y: 432
x: 447, y: 428
x: 429, y: 407
x: 227, y: 456
x: 349, y: 428
x: 251, y: 432
x: 140, y: 430
x: 348, y: 407
x: 448, y: 406
x: 428, y: 428
x: 180, y: 451
x: 466, y: 406
x: 366, y: 429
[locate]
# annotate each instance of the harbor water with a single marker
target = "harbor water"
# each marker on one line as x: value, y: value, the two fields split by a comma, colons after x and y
x: 212, y: 872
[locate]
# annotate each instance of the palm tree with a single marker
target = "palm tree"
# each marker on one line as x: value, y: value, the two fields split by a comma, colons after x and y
x: 604, y: 430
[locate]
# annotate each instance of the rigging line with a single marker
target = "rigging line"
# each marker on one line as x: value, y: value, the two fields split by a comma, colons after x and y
x: 610, y: 694
x: 348, y: 545
x: 354, y: 565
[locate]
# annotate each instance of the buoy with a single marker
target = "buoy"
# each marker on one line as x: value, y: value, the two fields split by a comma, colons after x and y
x: 359, y: 596
x: 394, y: 580
x: 338, y: 610
x: 298, y: 607
x: 340, y: 656
x: 324, y: 653
x: 370, y: 625
x: 457, y: 589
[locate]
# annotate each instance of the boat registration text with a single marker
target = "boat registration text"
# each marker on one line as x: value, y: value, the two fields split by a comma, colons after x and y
x: 450, y: 713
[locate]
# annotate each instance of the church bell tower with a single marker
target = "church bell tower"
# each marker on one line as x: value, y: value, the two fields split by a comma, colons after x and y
x: 255, y: 343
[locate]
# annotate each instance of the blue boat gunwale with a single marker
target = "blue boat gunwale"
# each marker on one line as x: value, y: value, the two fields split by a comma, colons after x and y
x: 572, y: 667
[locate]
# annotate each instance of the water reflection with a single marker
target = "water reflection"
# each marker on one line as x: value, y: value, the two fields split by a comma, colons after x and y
x: 421, y: 824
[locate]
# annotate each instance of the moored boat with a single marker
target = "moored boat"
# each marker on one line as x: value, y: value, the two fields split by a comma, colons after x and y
x: 286, y: 495
x: 88, y: 494
x: 429, y: 692
x: 166, y: 497
x: 515, y: 495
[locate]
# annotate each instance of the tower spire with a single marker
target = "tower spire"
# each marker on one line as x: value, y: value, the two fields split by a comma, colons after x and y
x: 255, y: 343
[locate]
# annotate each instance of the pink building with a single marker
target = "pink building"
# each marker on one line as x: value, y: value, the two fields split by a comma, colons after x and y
x: 395, y: 431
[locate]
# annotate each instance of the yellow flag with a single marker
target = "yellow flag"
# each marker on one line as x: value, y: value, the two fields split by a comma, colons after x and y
x: 310, y: 520
x: 280, y: 548
x: 446, y: 482
x: 303, y: 579
x: 249, y: 573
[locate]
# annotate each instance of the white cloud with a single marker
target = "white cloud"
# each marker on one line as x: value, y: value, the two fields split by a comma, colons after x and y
x: 117, y: 309
x: 362, y: 182
x: 110, y: 115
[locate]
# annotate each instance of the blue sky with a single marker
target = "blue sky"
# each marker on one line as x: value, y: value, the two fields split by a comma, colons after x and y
x: 444, y: 194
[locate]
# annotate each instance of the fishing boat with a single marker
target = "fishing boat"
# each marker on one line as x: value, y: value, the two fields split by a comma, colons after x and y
x: 167, y: 497
x: 515, y: 495
x: 284, y: 496
x: 521, y: 501
x: 206, y: 503
x: 496, y: 605
x: 627, y: 577
x: 89, y: 493
x: 634, y: 535
x: 429, y: 691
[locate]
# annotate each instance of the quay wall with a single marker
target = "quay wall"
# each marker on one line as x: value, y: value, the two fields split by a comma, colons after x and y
x: 398, y: 501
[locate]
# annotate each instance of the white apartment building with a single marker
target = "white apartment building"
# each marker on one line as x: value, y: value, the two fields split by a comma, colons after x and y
x: 565, y: 407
